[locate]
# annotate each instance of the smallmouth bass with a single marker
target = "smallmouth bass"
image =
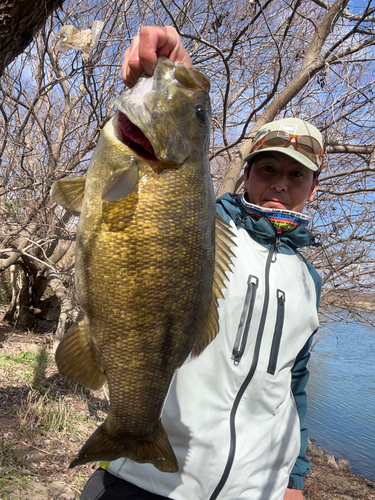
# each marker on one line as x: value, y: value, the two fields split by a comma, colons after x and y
x: 150, y: 265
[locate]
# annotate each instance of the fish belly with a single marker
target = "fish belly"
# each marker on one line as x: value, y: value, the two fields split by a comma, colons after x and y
x: 144, y: 283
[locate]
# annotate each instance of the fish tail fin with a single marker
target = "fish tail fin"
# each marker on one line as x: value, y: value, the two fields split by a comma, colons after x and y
x: 102, y: 446
x: 76, y: 359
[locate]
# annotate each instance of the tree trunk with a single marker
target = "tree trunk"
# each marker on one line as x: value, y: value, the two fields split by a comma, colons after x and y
x: 19, y: 21
x: 69, y: 309
x: 18, y: 313
x: 26, y: 294
x: 9, y: 315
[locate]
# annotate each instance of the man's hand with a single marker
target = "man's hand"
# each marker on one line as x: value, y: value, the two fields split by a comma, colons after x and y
x: 151, y: 43
x: 293, y: 494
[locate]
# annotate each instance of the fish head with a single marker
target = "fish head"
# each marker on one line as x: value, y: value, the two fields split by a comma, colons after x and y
x: 166, y: 117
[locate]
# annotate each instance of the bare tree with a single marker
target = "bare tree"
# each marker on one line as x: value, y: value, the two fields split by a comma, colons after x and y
x: 19, y: 22
x: 52, y: 108
x: 314, y: 61
x: 266, y: 60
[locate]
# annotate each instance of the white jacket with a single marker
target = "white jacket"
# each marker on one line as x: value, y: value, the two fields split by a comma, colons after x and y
x: 230, y: 415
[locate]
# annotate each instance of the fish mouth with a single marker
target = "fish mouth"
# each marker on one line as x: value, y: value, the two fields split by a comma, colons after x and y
x: 133, y: 137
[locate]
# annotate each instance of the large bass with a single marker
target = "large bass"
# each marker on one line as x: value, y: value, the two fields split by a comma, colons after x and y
x: 146, y: 277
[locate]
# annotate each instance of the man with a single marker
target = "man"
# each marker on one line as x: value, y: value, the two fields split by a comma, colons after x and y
x: 234, y: 414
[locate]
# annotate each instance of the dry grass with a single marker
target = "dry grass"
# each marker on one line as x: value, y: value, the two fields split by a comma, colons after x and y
x: 46, y: 418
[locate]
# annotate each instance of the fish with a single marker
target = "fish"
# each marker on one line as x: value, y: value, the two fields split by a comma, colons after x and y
x: 151, y: 262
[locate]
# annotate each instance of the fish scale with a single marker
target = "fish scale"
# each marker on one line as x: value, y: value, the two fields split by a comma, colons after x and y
x: 146, y: 277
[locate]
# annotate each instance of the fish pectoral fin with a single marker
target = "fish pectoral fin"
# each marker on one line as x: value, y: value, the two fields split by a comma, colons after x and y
x: 76, y: 359
x: 121, y: 183
x: 104, y: 446
x: 223, y: 254
x: 69, y: 193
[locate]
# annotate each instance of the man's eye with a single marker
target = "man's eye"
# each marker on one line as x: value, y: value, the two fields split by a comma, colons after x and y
x: 296, y: 173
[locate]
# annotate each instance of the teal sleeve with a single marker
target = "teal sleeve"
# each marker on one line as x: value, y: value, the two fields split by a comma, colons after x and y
x: 300, y: 376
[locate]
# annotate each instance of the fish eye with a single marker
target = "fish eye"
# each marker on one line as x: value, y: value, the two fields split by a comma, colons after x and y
x: 200, y: 112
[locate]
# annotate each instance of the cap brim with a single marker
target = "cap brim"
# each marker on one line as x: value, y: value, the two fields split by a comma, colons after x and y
x: 293, y: 153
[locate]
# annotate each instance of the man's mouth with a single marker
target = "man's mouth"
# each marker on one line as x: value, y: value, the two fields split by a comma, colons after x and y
x: 275, y: 204
x: 133, y: 137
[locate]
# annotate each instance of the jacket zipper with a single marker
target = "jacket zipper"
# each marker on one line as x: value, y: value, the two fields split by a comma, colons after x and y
x: 277, y: 333
x: 277, y: 245
x: 246, y: 382
x: 244, y: 325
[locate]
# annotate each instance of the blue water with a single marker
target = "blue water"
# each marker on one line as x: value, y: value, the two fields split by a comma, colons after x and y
x: 341, y: 394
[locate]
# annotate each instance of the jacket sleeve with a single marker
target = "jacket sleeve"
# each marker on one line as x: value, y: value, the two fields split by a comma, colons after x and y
x: 300, y: 376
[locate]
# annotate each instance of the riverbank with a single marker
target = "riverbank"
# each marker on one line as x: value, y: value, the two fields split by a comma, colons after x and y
x: 331, y: 479
x: 348, y: 300
x: 46, y: 418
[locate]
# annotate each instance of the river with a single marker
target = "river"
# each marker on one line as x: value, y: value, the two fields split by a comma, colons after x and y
x: 341, y: 394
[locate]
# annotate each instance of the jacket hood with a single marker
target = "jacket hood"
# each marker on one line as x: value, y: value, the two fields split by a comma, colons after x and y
x: 262, y: 230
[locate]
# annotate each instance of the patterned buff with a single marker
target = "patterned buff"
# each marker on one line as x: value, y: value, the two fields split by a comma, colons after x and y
x: 282, y: 220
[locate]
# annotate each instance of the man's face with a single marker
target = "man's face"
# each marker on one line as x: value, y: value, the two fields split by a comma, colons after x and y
x: 276, y: 180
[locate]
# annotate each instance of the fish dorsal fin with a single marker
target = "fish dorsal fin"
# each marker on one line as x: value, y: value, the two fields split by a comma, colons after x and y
x: 223, y: 254
x: 69, y: 193
x: 121, y: 183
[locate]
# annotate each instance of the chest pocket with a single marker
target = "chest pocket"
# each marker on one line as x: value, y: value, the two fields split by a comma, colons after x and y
x: 280, y: 314
x: 245, y: 320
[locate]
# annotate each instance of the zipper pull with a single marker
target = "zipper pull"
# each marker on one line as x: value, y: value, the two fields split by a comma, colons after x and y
x: 276, y: 248
x: 241, y: 220
x: 244, y: 325
x: 281, y: 297
x: 236, y: 358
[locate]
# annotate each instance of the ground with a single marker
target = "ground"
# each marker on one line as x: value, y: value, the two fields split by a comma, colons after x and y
x: 326, y: 481
x: 46, y: 418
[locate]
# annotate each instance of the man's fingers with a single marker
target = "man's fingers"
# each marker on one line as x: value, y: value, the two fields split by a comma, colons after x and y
x: 131, y: 67
x: 152, y: 42
x: 156, y: 42
x: 151, y: 39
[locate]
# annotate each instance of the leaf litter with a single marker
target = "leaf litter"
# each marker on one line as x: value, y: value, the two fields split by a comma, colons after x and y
x: 46, y: 417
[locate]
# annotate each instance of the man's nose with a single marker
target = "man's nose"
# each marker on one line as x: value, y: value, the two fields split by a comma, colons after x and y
x: 279, y: 183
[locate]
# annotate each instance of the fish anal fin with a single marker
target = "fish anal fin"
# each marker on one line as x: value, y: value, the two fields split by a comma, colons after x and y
x: 121, y: 183
x: 69, y: 193
x: 103, y: 446
x: 76, y: 359
x: 223, y: 254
